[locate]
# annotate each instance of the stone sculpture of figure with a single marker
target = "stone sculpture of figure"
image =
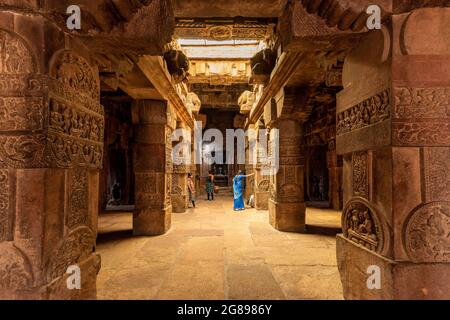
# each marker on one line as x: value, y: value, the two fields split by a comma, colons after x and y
x: 193, y: 102
x: 366, y: 226
x: 116, y: 193
x: 321, y: 189
x: 246, y: 101
x: 354, y: 223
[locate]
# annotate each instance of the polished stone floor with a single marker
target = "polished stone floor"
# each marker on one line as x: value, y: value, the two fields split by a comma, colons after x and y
x: 214, y: 253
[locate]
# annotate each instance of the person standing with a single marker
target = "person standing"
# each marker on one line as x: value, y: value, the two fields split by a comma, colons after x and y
x: 210, y: 186
x: 238, y: 190
x: 191, y: 189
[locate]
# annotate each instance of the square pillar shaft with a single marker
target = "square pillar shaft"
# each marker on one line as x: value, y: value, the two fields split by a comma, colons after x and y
x: 154, y: 124
x: 51, y: 149
x: 394, y: 132
x: 286, y: 205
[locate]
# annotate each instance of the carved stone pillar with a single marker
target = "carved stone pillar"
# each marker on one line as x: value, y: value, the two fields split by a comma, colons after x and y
x: 286, y: 204
x: 394, y: 133
x: 179, y: 189
x: 334, y: 163
x: 51, y: 146
x: 180, y: 172
x: 262, y: 178
x: 154, y: 123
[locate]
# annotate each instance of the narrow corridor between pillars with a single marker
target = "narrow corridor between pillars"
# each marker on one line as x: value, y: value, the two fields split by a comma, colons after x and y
x: 213, y: 252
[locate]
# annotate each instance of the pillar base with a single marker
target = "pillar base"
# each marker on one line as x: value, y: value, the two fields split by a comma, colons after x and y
x: 399, y: 280
x: 90, y: 267
x: 287, y: 216
x: 178, y: 203
x: 151, y: 222
x: 262, y: 200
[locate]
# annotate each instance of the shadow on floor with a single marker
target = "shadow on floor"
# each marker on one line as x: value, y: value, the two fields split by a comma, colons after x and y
x: 114, y: 235
x: 323, y: 230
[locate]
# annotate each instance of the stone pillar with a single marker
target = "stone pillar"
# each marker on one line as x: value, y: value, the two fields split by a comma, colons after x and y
x: 154, y: 123
x: 262, y: 179
x: 250, y: 152
x: 180, y: 171
x: 51, y: 147
x: 394, y: 133
x: 286, y: 205
x: 334, y: 176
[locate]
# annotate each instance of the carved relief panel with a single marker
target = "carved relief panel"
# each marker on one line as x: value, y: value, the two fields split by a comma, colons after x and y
x: 362, y: 225
x: 76, y: 123
x: 360, y: 174
x: 427, y: 233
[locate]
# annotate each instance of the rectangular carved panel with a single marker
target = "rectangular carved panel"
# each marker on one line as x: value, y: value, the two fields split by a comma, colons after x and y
x: 368, y: 112
x: 4, y: 205
x: 360, y: 174
x: 421, y: 116
x: 437, y: 174
x: 78, y: 198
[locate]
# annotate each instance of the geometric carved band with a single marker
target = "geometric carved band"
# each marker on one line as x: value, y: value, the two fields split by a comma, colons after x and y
x: 373, y: 110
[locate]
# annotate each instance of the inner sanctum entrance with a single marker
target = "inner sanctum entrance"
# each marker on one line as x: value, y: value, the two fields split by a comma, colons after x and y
x: 332, y: 128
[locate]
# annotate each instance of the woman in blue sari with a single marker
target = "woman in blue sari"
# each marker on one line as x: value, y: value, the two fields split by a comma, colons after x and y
x: 238, y: 188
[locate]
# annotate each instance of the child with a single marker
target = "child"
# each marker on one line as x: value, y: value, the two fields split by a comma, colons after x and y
x: 210, y: 186
x: 191, y: 188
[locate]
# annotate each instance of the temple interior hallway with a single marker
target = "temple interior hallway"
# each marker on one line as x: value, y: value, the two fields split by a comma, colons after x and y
x: 214, y: 253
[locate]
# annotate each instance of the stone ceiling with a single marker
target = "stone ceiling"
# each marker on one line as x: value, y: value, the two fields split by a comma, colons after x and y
x: 228, y: 8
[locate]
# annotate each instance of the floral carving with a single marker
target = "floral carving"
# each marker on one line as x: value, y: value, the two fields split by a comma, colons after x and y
x: 427, y: 233
x: 437, y: 173
x: 4, y: 204
x: 360, y: 179
x: 413, y: 103
x: 418, y: 133
x: 78, y: 198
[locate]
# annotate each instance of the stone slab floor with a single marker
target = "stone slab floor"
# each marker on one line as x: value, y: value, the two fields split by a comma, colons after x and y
x: 214, y: 253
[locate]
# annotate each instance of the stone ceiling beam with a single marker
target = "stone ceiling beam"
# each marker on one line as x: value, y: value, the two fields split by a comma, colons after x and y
x: 113, y: 26
x: 153, y: 68
x: 287, y: 65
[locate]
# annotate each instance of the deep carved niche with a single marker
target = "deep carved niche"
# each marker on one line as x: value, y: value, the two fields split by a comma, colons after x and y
x: 427, y: 233
x: 361, y: 225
